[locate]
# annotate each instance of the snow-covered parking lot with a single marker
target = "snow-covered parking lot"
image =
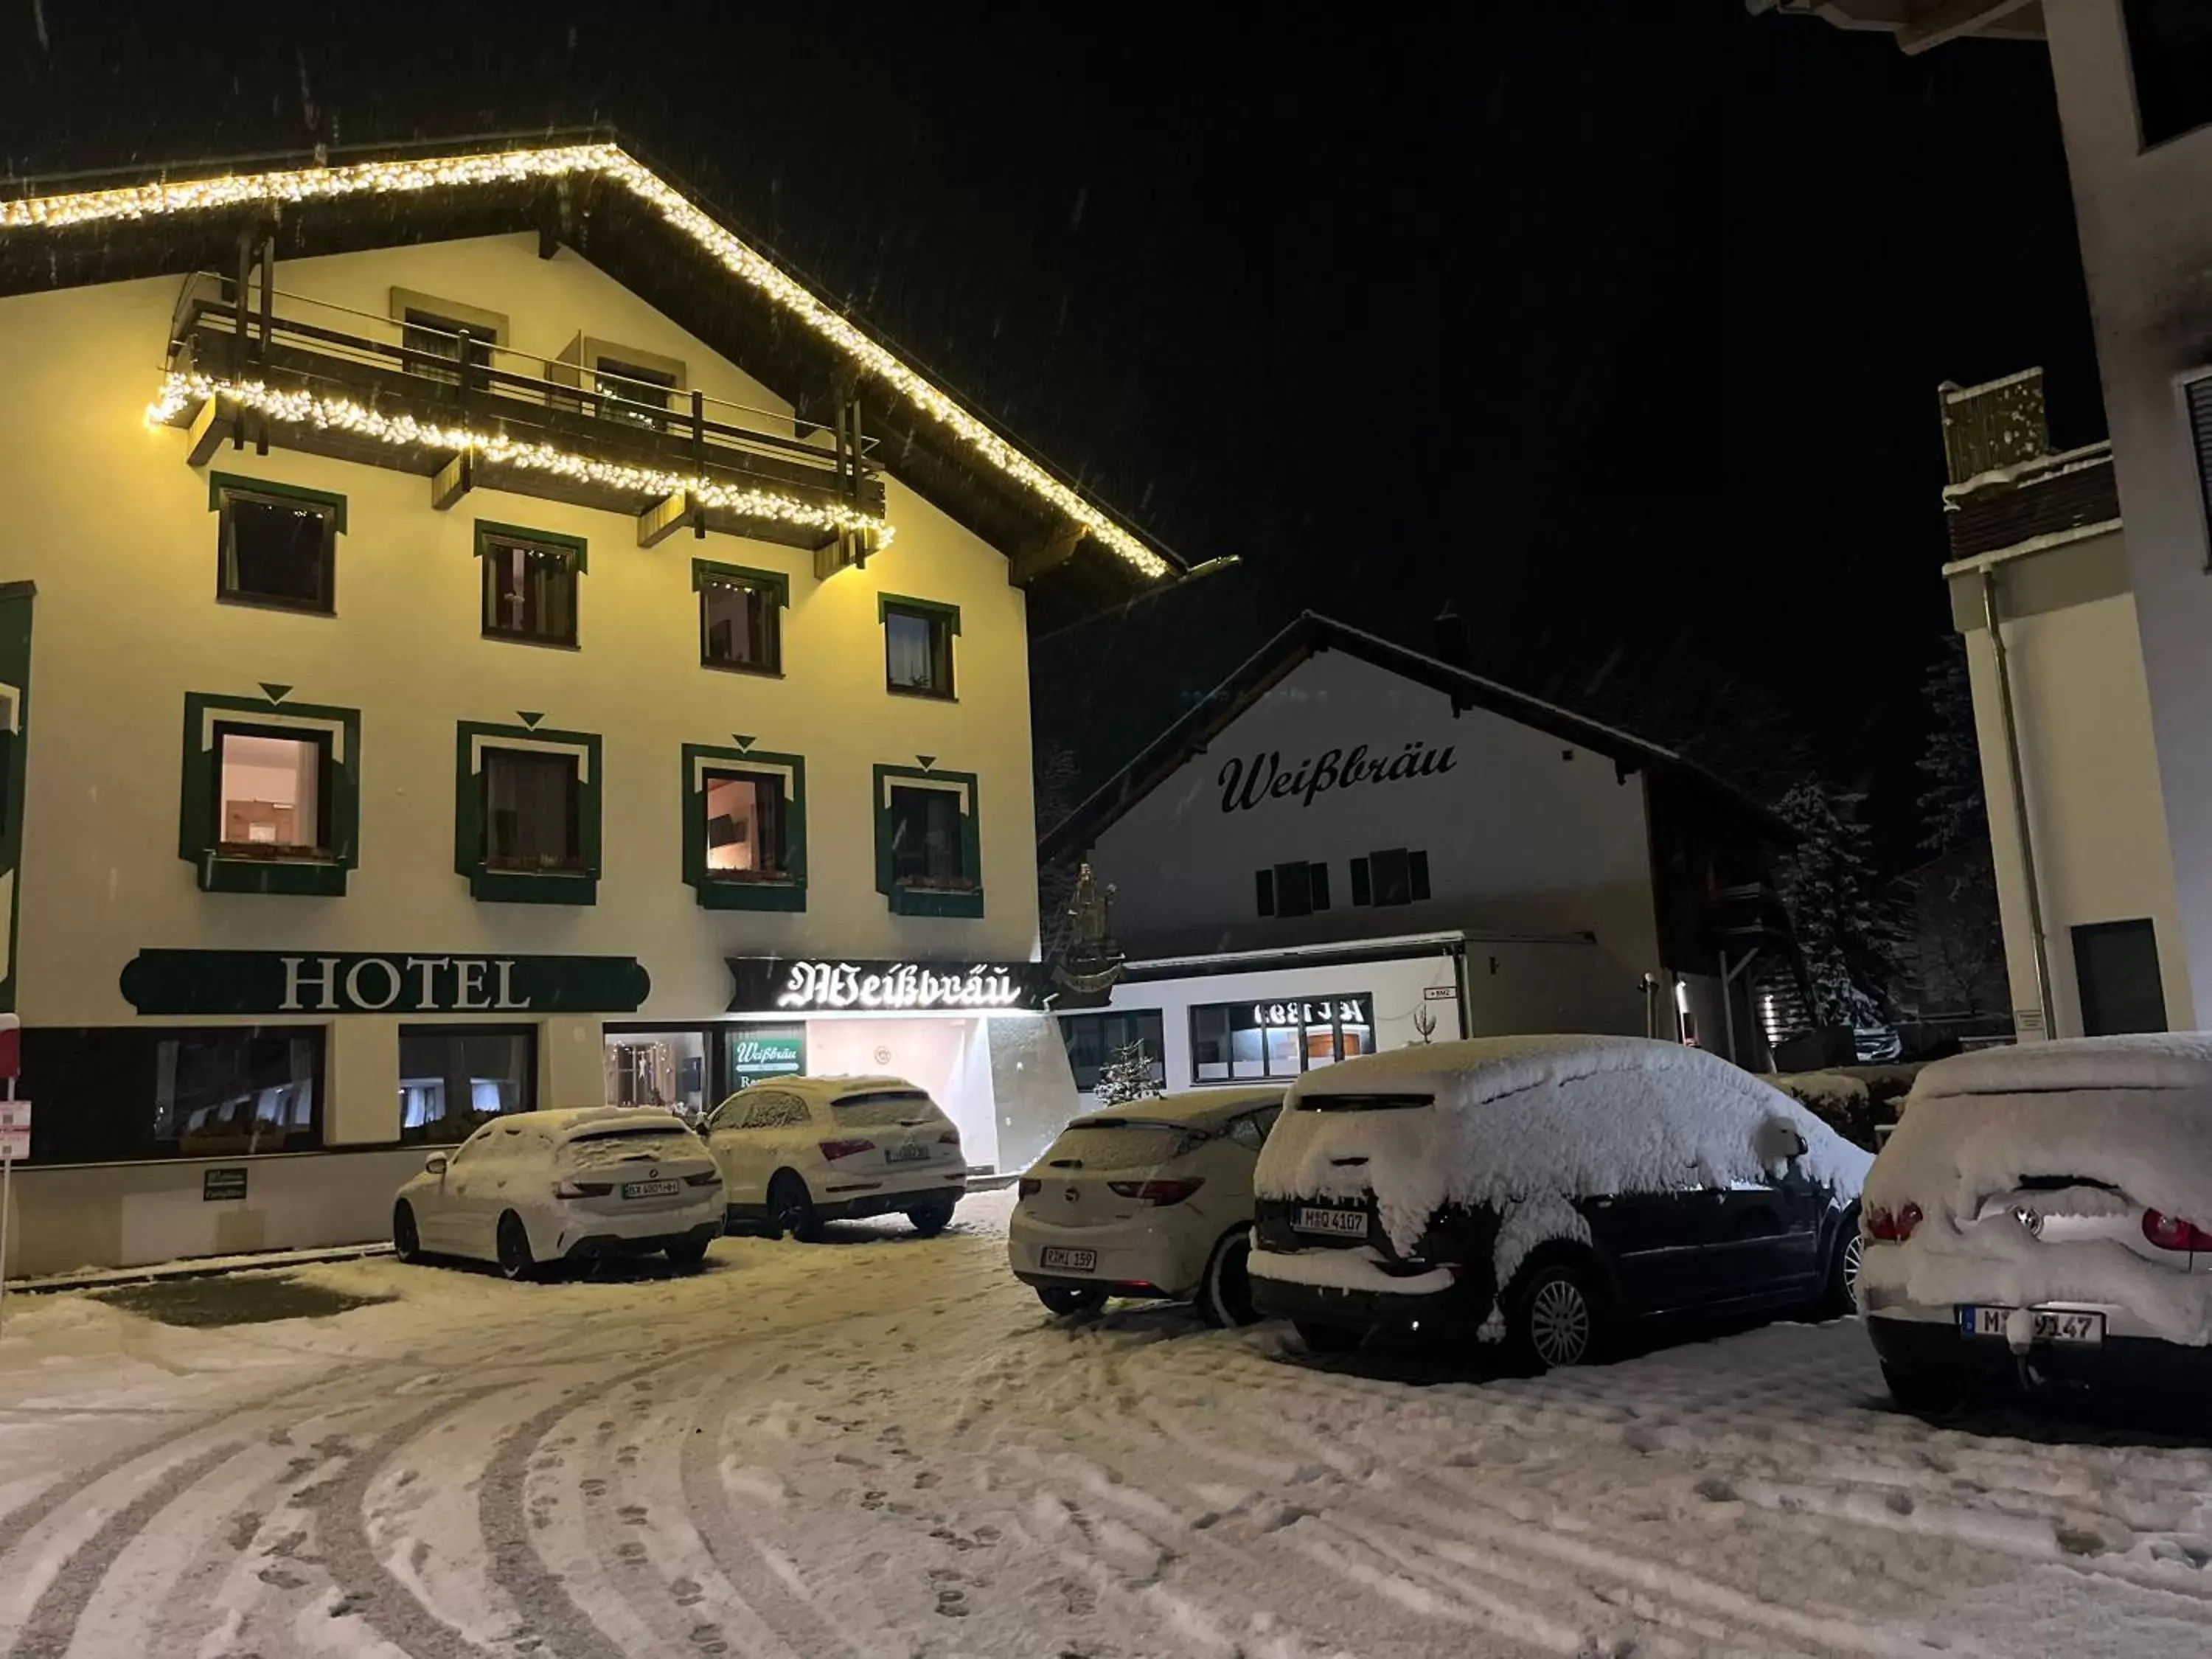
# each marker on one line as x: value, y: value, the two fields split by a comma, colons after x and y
x: 881, y: 1445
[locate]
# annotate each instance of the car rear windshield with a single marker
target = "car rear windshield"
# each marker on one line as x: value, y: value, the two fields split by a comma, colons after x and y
x: 597, y: 1146
x: 1321, y: 1102
x: 883, y: 1109
x: 632, y: 1132
x: 1121, y: 1143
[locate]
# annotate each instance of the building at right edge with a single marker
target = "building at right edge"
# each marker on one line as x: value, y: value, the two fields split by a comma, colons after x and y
x: 2133, y: 83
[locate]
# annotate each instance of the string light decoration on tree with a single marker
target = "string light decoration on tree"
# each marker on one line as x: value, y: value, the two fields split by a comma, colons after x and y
x: 183, y: 391
x: 1128, y: 1076
x: 614, y: 164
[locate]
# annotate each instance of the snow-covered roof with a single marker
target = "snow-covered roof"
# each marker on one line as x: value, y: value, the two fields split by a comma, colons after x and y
x: 837, y: 1088
x: 1480, y: 1069
x: 575, y: 1120
x: 2163, y: 1060
x: 1190, y: 1106
x: 1312, y: 633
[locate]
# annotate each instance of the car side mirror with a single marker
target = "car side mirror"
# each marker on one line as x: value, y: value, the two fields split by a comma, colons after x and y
x: 1780, y: 1141
x: 435, y: 1164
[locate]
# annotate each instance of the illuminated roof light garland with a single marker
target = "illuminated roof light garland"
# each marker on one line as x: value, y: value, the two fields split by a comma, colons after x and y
x: 181, y: 392
x: 610, y: 162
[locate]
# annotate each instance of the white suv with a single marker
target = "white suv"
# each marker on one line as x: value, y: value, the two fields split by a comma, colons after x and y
x: 2042, y: 1217
x: 797, y: 1151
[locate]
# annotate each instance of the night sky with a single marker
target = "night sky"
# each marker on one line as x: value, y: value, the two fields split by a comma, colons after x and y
x: 1617, y: 322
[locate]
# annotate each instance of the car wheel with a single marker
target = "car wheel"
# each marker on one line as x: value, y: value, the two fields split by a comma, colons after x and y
x: 1555, y: 1320
x: 1224, y: 1295
x: 1840, y: 1296
x: 790, y: 1210
x: 515, y: 1258
x: 1066, y: 1299
x: 933, y: 1218
x: 1922, y: 1394
x: 406, y: 1243
x: 688, y: 1253
x: 1327, y: 1339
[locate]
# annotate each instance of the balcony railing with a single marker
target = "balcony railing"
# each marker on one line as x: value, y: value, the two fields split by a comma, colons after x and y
x: 292, y: 372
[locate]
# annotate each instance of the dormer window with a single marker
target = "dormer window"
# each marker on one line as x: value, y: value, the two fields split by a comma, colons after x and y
x: 629, y: 384
x: 430, y: 330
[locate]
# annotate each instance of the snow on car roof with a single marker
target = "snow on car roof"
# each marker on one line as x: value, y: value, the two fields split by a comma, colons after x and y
x: 2161, y: 1060
x: 1186, y: 1105
x: 571, y: 1120
x: 1479, y: 1069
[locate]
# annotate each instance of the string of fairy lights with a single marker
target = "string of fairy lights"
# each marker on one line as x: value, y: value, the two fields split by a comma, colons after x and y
x: 608, y: 161
x: 182, y: 391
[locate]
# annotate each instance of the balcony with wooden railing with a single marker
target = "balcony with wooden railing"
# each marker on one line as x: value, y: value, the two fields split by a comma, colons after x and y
x: 279, y: 370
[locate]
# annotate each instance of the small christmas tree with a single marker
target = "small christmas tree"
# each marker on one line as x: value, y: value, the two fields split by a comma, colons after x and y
x: 1128, y: 1076
x: 1828, y: 888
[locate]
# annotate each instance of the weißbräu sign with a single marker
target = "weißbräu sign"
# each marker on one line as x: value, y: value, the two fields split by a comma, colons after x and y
x: 786, y: 985
x: 1245, y: 784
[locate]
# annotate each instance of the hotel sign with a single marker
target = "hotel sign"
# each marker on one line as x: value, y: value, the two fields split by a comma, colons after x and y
x: 793, y: 985
x: 391, y: 982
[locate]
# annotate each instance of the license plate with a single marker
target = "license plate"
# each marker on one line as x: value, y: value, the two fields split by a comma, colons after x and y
x: 2059, y: 1325
x: 651, y: 1188
x: 913, y: 1152
x: 1338, y: 1224
x: 1074, y: 1261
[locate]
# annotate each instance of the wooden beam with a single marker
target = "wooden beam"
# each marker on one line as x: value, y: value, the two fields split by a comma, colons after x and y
x: 208, y: 428
x: 664, y: 518
x: 1055, y: 549
x: 1951, y: 19
x: 453, y: 480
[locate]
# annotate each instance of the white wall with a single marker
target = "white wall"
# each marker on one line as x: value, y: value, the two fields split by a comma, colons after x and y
x: 1525, y: 834
x: 2083, y: 714
x: 114, y: 528
x: 949, y: 1058
x: 2146, y: 247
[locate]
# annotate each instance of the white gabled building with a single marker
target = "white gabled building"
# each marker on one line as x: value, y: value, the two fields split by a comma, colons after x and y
x: 1350, y: 846
x: 477, y: 634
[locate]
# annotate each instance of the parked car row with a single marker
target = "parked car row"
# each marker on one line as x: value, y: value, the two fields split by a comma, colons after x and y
x: 532, y: 1189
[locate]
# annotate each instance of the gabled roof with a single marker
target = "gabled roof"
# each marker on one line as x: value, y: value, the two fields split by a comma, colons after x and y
x: 1312, y: 633
x: 590, y: 192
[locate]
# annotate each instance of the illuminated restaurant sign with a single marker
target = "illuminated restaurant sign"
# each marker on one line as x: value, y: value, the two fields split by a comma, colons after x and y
x: 785, y: 985
x: 1317, y: 1010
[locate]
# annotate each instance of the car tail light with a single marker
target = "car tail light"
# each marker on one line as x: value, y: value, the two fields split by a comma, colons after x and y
x: 1162, y: 1193
x: 2171, y: 1232
x: 1893, y: 1229
x: 705, y: 1178
x: 834, y: 1150
x: 583, y: 1189
x: 1027, y: 1186
x: 949, y: 1138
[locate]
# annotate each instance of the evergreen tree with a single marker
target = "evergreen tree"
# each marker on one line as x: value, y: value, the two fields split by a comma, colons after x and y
x: 1953, y: 953
x: 1828, y: 888
x: 1127, y: 1076
x: 1954, y: 814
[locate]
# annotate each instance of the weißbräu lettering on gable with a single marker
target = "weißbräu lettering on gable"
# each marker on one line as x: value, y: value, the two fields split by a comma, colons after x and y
x: 1245, y: 784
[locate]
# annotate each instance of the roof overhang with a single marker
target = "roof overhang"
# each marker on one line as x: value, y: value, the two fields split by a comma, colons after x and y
x: 592, y: 193
x: 1920, y: 25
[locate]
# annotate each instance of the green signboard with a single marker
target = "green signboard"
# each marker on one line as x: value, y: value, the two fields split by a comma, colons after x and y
x: 393, y: 982
x: 760, y: 1052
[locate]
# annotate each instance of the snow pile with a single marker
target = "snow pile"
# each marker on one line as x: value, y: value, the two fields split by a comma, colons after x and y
x: 1357, y: 1269
x: 1520, y: 1120
x: 2133, y: 1114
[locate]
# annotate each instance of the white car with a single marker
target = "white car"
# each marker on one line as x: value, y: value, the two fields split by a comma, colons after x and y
x: 1153, y: 1198
x: 800, y: 1151
x: 2041, y: 1217
x: 534, y: 1188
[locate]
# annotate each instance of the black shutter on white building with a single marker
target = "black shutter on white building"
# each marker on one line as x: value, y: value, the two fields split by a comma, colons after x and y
x: 2198, y: 392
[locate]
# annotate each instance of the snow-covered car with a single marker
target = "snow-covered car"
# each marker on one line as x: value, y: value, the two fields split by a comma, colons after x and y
x: 2042, y: 1215
x: 800, y: 1151
x: 529, y: 1188
x: 1153, y: 1198
x: 1546, y: 1190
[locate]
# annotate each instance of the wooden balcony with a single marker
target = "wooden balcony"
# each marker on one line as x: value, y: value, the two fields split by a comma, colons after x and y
x: 286, y: 373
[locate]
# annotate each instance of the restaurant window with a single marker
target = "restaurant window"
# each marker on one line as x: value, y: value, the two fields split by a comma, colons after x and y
x: 662, y: 1068
x: 740, y: 616
x: 276, y: 546
x: 1396, y: 876
x: 530, y: 816
x: 1246, y: 1041
x: 918, y: 637
x: 2170, y: 46
x: 272, y: 793
x: 453, y: 1079
x: 1293, y: 889
x: 1093, y: 1041
x: 112, y: 1094
x: 529, y: 585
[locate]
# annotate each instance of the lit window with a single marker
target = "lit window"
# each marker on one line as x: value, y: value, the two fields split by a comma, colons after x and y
x: 918, y: 651
x: 927, y: 845
x: 271, y: 801
x: 454, y: 1079
x: 531, y: 816
x: 745, y: 824
x: 1240, y: 1042
x: 277, y: 551
x: 632, y: 394
x: 529, y: 591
